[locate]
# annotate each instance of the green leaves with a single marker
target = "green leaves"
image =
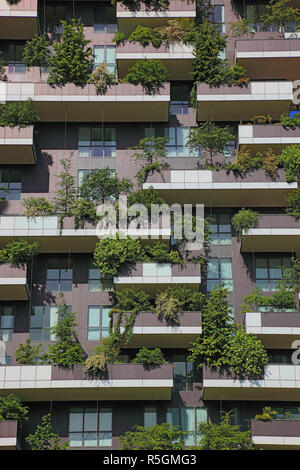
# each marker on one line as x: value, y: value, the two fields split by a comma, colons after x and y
x: 37, y: 206
x: 243, y: 220
x: 11, y: 408
x: 36, y: 51
x: 149, y: 358
x: 152, y: 153
x: 44, y: 437
x: 102, y: 78
x: 289, y: 159
x: 28, y: 354
x: 19, y: 252
x: 100, y: 185
x: 150, y: 73
x: 279, y: 12
x: 18, y: 114
x: 158, y: 437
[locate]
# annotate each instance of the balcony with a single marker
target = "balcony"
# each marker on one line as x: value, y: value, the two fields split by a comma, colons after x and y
x: 150, y: 332
x: 8, y: 435
x: 220, y: 188
x: 234, y: 103
x: 121, y: 103
x: 278, y: 381
x: 277, y: 330
x: 155, y: 274
x: 267, y: 59
x: 275, y: 233
x: 176, y: 57
x: 120, y: 382
x: 19, y: 20
x: 13, y: 283
x: 259, y: 137
x: 16, y: 146
x: 276, y: 434
x: 129, y: 20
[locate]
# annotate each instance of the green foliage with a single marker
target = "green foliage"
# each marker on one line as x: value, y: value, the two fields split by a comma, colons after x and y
x: 131, y: 299
x: 27, y: 354
x: 212, y: 138
x: 146, y: 197
x: 243, y: 220
x: 37, y: 206
x: 145, y: 35
x: 208, y: 65
x: 241, y: 28
x: 95, y: 365
x: 245, y: 162
x: 119, y: 38
x: 149, y: 358
x: 36, y: 51
x: 100, y: 185
x: 44, y: 437
x: 291, y: 279
x: 66, y: 190
x: 83, y: 211
x: 293, y: 200
x: 150, y: 73
x: 281, y: 13
x: 224, y: 436
x: 111, y: 255
x: 12, y: 409
x: 157, y: 437
x: 159, y: 253
x: 245, y: 354
x: 267, y: 414
x: 289, y: 159
x: 152, y: 153
x: 167, y: 308
x: 19, y: 252
x: 73, y: 60
x: 189, y: 300
x: 2, y: 66
x: 18, y: 114
x: 290, y: 122
x: 67, y: 351
x: 178, y: 30
x: 102, y: 78
x: 281, y: 300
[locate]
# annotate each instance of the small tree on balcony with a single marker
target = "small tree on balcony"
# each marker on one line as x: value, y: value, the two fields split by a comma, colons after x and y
x: 44, y: 437
x: 36, y: 52
x: 19, y: 252
x: 66, y: 191
x: 18, y: 114
x: 102, y: 78
x: 100, y: 185
x: 37, y: 206
x: 280, y: 13
x: 211, y: 138
x: 243, y: 220
x: 11, y: 408
x: 152, y: 153
x: 157, y: 437
x: 289, y: 159
x: 27, y: 354
x: 150, y: 73
x: 73, y: 60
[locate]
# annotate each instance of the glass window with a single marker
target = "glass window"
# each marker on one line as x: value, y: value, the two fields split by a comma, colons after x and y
x: 42, y: 319
x: 269, y: 271
x: 180, y: 95
x: 106, y: 54
x: 89, y: 427
x: 221, y: 228
x: 219, y: 271
x: 150, y: 417
x: 254, y: 14
x: 10, y: 184
x: 59, y: 275
x: 54, y: 14
x: 98, y: 322
x: 183, y: 374
x: 177, y: 142
x: 15, y: 58
x: 105, y: 20
x: 96, y: 142
x: 218, y: 17
x: 7, y: 315
x: 95, y: 282
x: 188, y: 419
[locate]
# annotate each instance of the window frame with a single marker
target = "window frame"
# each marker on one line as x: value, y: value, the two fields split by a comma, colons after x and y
x: 60, y: 279
x: 218, y: 281
x: 98, y: 430
x: 100, y: 328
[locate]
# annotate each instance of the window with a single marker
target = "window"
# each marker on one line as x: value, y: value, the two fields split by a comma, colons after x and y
x: 89, y: 427
x: 15, y: 58
x: 96, y: 142
x: 188, y: 419
x: 280, y: 357
x: 83, y: 173
x: 7, y: 314
x: 180, y: 95
x: 95, y: 283
x: 105, y: 20
x: 98, y: 322
x: 268, y: 271
x: 177, y: 142
x: 219, y: 271
x: 150, y: 417
x: 254, y: 14
x: 221, y: 226
x: 42, y: 319
x: 218, y: 17
x: 183, y: 374
x: 10, y: 184
x: 54, y: 14
x: 106, y: 54
x: 59, y: 275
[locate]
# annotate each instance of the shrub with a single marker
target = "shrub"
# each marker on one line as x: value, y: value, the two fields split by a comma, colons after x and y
x: 83, y: 211
x: 37, y: 206
x: 119, y: 38
x: 28, y: 354
x: 150, y: 73
x: 178, y: 30
x: 131, y: 299
x: 290, y: 122
x: 19, y: 252
x: 100, y: 185
x: 189, y: 300
x: 151, y: 152
x: 36, y: 51
x: 44, y: 437
x: 18, y: 114
x: 159, y: 253
x: 243, y: 220
x: 11, y: 408
x: 289, y: 159
x: 145, y: 35
x: 157, y: 437
x: 167, y: 308
x: 149, y: 358
x: 73, y: 60
x: 95, y: 365
x: 102, y: 78
x: 293, y: 200
x: 146, y: 197
x: 267, y: 414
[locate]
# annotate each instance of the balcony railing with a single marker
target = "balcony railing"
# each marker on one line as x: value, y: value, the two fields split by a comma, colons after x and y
x: 8, y: 435
x: 276, y: 434
x: 13, y: 283
x: 17, y: 146
x: 18, y: 20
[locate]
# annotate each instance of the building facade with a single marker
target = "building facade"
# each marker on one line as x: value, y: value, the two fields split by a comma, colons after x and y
x: 97, y: 131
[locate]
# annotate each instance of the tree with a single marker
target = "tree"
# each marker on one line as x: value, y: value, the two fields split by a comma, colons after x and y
x: 212, y: 138
x: 11, y: 408
x: 100, y: 185
x: 291, y: 279
x: 18, y: 114
x: 102, y: 78
x: 150, y: 73
x: 73, y: 60
x: 149, y: 358
x: 28, y: 354
x: 20, y: 252
x: 243, y: 220
x: 66, y: 192
x: 289, y: 159
x: 37, y: 206
x: 280, y: 13
x: 152, y: 153
x: 67, y: 351
x: 224, y: 436
x: 44, y: 437
x: 36, y: 52
x: 157, y: 437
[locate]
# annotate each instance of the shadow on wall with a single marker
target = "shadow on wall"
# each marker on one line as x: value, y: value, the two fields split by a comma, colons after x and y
x: 36, y: 178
